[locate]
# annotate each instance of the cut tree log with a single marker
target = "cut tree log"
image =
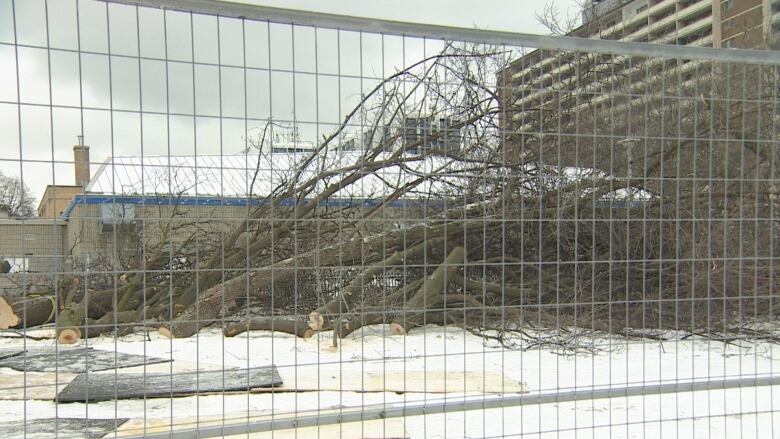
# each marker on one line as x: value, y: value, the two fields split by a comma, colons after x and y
x: 400, y: 325
x: 96, y: 306
x: 72, y: 327
x: 388, y: 301
x: 69, y: 325
x: 467, y: 317
x: 344, y: 302
x: 397, y: 328
x: 288, y: 326
x: 490, y: 288
x: 433, y: 289
x: 357, y: 321
x: 27, y: 313
x: 111, y: 321
x: 318, y: 319
x: 218, y: 301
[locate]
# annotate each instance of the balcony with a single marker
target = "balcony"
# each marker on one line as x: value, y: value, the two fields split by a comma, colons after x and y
x: 642, y: 16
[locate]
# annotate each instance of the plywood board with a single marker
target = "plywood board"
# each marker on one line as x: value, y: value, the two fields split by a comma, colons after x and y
x: 387, y: 428
x: 142, y: 427
x: 70, y: 428
x: 75, y: 360
x: 7, y: 353
x: 45, y: 385
x: 312, y: 378
x: 376, y: 429
x: 30, y: 350
x: 32, y: 385
x: 31, y: 334
x: 104, y: 387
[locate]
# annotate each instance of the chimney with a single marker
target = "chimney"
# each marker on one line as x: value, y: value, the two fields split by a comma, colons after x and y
x: 81, y: 162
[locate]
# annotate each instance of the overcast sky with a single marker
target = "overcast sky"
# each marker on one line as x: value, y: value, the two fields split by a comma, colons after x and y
x: 504, y: 15
x: 123, y: 112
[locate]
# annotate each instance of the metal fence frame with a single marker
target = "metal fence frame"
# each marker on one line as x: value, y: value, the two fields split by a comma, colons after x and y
x: 321, y: 20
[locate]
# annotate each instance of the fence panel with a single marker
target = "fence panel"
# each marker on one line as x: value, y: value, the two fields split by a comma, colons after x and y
x: 221, y: 219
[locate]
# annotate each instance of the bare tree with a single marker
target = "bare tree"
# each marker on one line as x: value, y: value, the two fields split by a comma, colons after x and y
x: 15, y: 195
x: 558, y: 22
x: 520, y: 225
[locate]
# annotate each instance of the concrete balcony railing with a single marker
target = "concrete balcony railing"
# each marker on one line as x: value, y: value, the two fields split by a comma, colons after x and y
x: 642, y: 33
x: 694, y: 27
x: 567, y: 68
x: 562, y: 73
x: 642, y: 16
x: 606, y: 82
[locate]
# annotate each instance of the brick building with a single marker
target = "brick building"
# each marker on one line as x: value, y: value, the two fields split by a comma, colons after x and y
x: 712, y: 23
x: 563, y: 98
x: 130, y: 203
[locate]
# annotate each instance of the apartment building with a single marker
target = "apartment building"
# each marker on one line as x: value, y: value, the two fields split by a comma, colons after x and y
x: 621, y: 115
x: 713, y: 23
x: 544, y: 91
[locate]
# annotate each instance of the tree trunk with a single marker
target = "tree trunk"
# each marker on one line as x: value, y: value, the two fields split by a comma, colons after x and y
x: 318, y: 319
x: 106, y: 324
x: 359, y: 320
x: 295, y: 327
x: 217, y: 300
x: 479, y: 287
x: 433, y: 288
x: 69, y: 322
x: 72, y: 326
x: 213, y: 303
x: 28, y: 312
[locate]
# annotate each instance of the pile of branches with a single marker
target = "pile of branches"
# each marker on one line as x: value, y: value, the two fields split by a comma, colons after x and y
x: 497, y: 234
x: 507, y: 263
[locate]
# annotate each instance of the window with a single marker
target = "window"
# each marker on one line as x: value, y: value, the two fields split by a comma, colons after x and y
x: 116, y: 214
x: 18, y: 265
x: 641, y: 9
x: 729, y: 5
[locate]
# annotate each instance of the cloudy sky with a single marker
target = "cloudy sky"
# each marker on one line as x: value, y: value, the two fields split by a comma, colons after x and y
x: 128, y: 100
x: 504, y: 15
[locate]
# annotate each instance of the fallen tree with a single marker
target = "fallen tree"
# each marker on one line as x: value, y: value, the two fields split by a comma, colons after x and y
x: 495, y: 233
x: 37, y: 310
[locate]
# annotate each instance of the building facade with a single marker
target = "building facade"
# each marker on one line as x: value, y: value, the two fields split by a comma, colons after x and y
x: 56, y: 199
x: 547, y: 90
x: 425, y: 133
x: 34, y: 245
x: 712, y: 23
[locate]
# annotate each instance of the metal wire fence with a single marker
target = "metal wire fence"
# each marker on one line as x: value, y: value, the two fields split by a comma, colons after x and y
x: 289, y: 223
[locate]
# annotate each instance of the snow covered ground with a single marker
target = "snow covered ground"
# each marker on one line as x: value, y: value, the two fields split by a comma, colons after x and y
x: 747, y: 412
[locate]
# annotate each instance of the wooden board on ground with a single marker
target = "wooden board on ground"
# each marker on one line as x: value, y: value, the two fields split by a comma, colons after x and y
x: 32, y: 385
x: 75, y: 360
x: 31, y: 334
x: 46, y: 385
x: 30, y: 350
x: 380, y: 428
x: 376, y: 429
x: 8, y: 353
x: 312, y: 378
x: 105, y: 387
x: 70, y: 428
